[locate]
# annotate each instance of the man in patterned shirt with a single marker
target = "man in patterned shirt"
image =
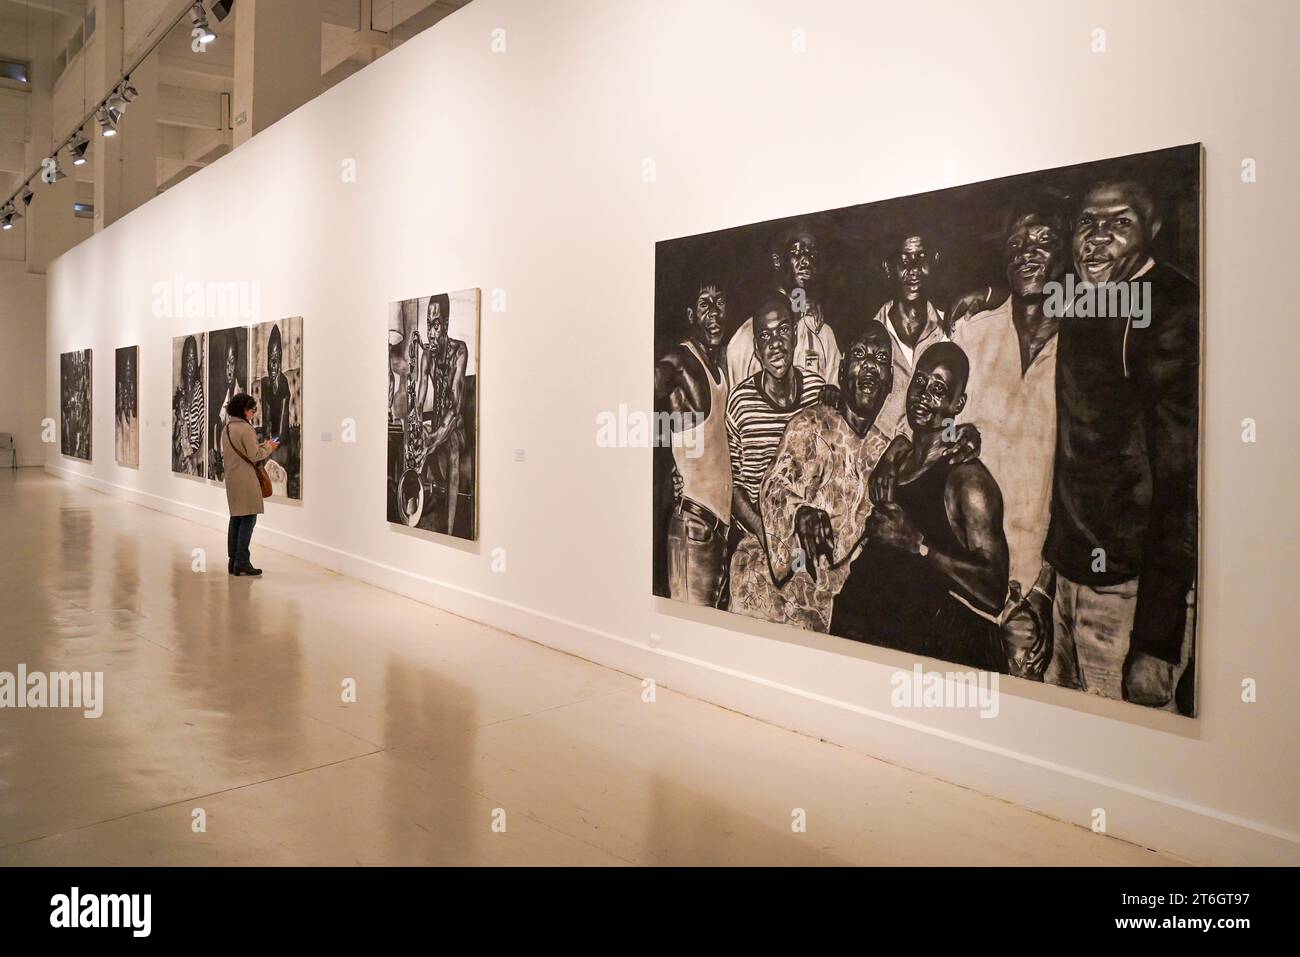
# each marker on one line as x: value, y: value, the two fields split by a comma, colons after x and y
x: 815, y: 499
x: 757, y: 412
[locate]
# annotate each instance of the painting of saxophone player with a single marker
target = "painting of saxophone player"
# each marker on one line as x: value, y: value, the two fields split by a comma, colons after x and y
x: 277, y: 387
x: 433, y: 413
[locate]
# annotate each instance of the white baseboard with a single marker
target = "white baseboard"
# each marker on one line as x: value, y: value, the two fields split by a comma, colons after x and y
x: 1158, y: 821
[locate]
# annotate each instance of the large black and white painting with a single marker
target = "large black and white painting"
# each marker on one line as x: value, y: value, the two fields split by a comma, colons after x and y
x: 277, y: 387
x: 433, y: 413
x: 189, y: 413
x: 75, y: 412
x: 126, y: 406
x: 227, y: 378
x: 962, y: 425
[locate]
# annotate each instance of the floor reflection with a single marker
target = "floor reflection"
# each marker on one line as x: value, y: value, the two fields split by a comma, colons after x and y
x: 226, y: 694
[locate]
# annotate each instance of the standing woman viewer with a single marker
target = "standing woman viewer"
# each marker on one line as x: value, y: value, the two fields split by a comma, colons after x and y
x: 241, y: 452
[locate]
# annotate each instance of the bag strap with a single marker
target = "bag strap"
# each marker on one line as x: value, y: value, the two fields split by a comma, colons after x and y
x: 237, y: 449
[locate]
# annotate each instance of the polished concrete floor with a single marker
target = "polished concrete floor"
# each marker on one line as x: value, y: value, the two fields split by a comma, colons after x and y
x: 225, y: 695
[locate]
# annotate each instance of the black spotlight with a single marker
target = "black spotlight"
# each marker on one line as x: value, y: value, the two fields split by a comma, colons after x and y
x: 221, y: 9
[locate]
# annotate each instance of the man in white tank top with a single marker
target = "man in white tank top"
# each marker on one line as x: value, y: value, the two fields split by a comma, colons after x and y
x: 691, y: 395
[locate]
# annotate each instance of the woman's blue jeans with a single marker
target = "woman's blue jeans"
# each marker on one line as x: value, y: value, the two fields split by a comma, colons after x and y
x: 239, y: 537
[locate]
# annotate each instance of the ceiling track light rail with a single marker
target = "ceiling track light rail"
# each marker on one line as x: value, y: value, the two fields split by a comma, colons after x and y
x: 108, y: 111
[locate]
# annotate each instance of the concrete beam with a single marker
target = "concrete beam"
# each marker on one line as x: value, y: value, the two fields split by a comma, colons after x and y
x: 368, y: 45
x: 196, y: 73
x: 182, y: 150
x: 179, y: 106
x: 146, y: 20
x: 75, y: 9
x: 191, y: 147
x: 15, y: 108
x: 342, y: 13
x: 13, y: 159
x: 277, y: 61
x: 391, y: 14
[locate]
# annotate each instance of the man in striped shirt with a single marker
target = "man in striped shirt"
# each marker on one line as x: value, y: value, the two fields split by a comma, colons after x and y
x: 188, y: 411
x: 757, y: 412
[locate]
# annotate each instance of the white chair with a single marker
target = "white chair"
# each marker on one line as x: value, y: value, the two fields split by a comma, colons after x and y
x: 7, y: 445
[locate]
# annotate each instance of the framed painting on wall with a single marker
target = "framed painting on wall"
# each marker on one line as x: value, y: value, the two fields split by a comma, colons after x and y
x: 189, y: 413
x: 75, y: 410
x: 227, y: 377
x: 126, y: 406
x: 432, y: 476
x: 277, y: 352
x: 962, y: 425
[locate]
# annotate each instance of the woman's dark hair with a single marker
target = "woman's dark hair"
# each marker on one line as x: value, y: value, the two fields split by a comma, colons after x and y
x: 240, y: 404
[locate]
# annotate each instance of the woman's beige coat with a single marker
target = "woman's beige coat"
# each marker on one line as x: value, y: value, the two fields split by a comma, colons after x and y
x: 243, y: 491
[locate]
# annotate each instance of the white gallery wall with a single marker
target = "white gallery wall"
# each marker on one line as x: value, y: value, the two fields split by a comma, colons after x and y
x: 526, y: 171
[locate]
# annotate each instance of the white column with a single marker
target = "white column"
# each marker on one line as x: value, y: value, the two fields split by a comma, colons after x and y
x: 277, y: 61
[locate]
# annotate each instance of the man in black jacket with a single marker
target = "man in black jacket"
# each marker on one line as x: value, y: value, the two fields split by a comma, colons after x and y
x: 1123, y: 532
